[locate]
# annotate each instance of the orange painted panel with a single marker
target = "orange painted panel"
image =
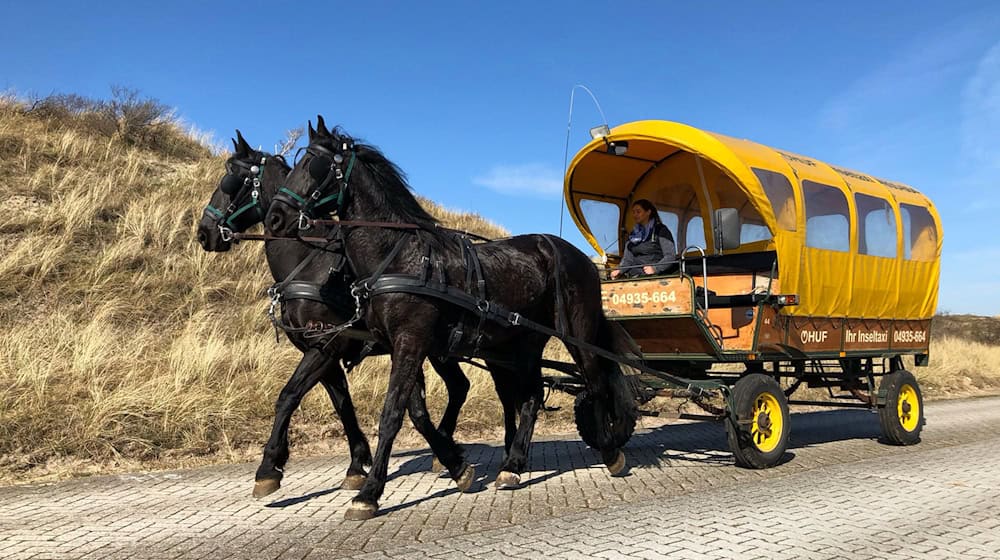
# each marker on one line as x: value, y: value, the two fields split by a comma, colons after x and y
x: 645, y: 297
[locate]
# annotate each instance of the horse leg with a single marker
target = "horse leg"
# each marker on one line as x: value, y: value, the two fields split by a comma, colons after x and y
x: 443, y: 446
x: 457, y: 385
x: 305, y: 377
x: 408, y: 354
x: 335, y: 383
x: 507, y: 393
x: 526, y: 389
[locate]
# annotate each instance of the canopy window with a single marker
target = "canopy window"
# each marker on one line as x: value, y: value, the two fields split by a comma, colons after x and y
x: 604, y: 219
x: 828, y: 219
x: 780, y: 194
x: 920, y: 238
x: 876, y: 226
x: 679, y: 207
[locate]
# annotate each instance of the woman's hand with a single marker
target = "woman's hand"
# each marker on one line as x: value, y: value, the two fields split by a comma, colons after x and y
x: 649, y: 270
x: 616, y: 273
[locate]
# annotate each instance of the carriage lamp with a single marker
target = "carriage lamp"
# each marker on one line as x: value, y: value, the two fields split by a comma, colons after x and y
x: 618, y: 148
x: 600, y: 131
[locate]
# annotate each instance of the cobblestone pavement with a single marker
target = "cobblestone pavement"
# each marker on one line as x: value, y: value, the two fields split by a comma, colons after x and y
x: 840, y: 494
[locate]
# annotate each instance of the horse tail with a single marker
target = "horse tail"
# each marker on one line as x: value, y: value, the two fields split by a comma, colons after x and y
x: 606, y: 416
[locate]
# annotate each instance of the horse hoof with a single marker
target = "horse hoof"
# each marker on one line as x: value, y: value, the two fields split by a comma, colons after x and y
x: 353, y: 482
x: 360, y: 511
x: 266, y: 486
x: 617, y: 466
x: 436, y: 465
x: 507, y: 480
x: 465, y: 480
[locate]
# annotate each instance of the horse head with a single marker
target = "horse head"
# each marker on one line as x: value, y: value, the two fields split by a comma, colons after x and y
x: 316, y: 187
x: 241, y: 199
x: 352, y: 180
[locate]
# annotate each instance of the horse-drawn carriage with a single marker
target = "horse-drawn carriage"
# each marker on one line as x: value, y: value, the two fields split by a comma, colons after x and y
x: 795, y: 269
x: 803, y: 272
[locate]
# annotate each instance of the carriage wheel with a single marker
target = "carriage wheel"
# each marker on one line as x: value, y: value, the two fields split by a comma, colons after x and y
x: 759, y: 424
x: 902, y: 417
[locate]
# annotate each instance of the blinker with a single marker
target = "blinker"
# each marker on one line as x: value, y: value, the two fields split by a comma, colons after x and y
x: 319, y: 168
x: 231, y: 184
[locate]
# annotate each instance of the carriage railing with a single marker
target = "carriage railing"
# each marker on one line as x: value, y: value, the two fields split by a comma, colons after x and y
x: 704, y: 269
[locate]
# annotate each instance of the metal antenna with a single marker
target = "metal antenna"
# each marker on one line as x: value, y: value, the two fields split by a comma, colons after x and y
x: 569, y: 126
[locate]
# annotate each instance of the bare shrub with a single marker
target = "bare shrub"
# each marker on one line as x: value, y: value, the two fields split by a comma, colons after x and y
x: 137, y: 121
x: 292, y: 137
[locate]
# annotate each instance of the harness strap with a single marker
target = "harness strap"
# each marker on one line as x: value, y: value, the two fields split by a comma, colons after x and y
x: 297, y: 198
x: 363, y: 223
x: 242, y: 209
x: 213, y: 211
x: 472, y: 262
x: 561, y: 321
x: 403, y: 283
x: 384, y: 264
x: 295, y: 271
x: 425, y: 262
x: 302, y: 290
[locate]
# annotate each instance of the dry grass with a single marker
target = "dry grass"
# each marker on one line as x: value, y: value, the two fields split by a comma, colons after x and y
x: 125, y: 343
x: 125, y: 346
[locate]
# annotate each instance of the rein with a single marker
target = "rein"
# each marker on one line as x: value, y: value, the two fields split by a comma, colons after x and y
x: 267, y: 237
x: 391, y: 225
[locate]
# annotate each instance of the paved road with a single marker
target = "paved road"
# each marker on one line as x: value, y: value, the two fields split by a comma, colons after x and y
x: 840, y: 494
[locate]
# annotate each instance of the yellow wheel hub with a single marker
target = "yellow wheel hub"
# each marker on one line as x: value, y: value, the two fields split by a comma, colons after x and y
x: 908, y: 408
x: 767, y: 425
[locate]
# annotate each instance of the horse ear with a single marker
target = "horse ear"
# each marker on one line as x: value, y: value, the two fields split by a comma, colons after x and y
x: 236, y: 146
x: 312, y: 132
x: 321, y: 125
x: 243, y: 147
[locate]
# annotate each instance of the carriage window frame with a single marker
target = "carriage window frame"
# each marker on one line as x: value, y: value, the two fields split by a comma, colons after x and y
x: 780, y: 194
x: 916, y: 245
x: 828, y: 226
x: 607, y: 236
x: 699, y: 232
x: 874, y: 238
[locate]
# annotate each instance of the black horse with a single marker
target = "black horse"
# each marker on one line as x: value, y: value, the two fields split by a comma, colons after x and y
x: 540, y: 278
x: 312, y: 296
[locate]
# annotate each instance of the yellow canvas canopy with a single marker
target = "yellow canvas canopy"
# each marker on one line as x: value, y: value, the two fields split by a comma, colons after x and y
x: 848, y: 244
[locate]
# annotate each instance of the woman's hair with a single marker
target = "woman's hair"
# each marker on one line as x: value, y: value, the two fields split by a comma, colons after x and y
x: 645, y: 204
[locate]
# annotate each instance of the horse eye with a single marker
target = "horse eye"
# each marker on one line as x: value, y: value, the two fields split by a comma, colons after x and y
x: 230, y: 184
x: 319, y: 168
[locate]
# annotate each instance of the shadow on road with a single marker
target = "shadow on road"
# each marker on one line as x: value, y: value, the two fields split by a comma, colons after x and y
x: 664, y: 446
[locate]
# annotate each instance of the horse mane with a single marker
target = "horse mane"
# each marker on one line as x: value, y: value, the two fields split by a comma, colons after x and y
x: 280, y: 158
x: 391, y: 189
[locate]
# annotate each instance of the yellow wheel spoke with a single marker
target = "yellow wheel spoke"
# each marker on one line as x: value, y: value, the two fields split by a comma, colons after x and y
x: 908, y: 408
x: 766, y: 428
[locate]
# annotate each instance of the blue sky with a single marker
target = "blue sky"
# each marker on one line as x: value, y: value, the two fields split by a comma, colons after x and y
x: 471, y: 98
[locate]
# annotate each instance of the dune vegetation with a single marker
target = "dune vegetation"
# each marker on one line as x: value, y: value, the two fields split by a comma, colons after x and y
x: 126, y: 346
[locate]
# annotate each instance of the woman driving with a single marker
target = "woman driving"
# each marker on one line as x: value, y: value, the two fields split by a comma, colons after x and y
x: 650, y: 247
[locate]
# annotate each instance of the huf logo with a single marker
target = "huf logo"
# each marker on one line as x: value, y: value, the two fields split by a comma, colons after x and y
x: 809, y: 337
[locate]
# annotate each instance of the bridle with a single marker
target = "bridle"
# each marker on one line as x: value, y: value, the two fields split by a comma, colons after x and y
x: 327, y: 170
x: 242, y: 184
